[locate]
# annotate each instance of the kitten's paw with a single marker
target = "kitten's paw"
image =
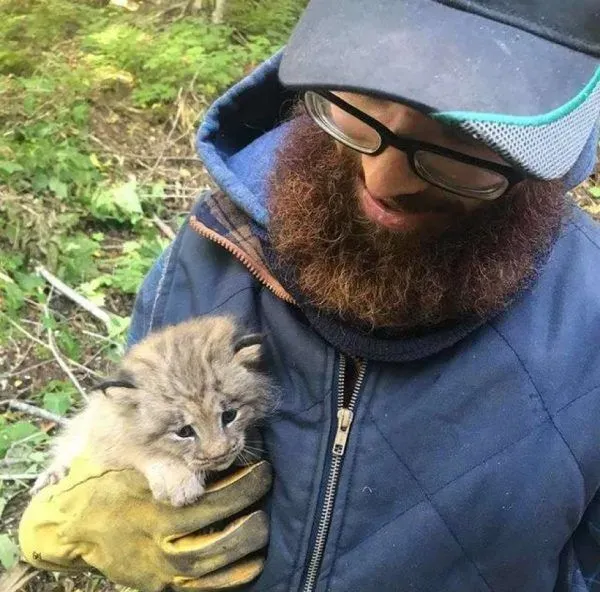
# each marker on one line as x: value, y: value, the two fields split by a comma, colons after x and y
x: 174, y: 486
x: 49, y: 477
x: 187, y: 491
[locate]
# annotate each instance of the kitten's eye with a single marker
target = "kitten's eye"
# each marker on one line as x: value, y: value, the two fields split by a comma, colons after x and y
x: 187, y: 431
x: 228, y: 416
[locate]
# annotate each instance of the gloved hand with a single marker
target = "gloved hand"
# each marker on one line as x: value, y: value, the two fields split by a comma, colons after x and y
x: 108, y: 519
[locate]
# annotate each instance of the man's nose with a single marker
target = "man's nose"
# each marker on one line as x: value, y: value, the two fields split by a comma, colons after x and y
x: 389, y: 174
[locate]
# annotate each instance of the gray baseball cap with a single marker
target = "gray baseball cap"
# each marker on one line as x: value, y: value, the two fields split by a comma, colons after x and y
x: 522, y: 75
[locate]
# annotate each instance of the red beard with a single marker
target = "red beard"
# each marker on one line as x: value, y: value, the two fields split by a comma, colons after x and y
x: 346, y: 265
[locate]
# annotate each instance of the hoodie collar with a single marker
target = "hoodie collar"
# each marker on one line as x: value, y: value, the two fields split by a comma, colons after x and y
x: 240, y: 135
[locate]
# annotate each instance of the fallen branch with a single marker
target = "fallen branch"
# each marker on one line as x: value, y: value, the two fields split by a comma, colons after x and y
x: 65, y: 368
x: 34, y: 411
x: 98, y: 141
x: 24, y: 331
x: 18, y: 477
x: 65, y: 290
x: 39, y: 342
x: 52, y: 346
x: 44, y: 345
x: 84, y: 368
x: 163, y: 227
x: 100, y: 337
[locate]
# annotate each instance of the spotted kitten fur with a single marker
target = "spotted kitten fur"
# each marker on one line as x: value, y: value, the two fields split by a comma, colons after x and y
x: 180, y: 405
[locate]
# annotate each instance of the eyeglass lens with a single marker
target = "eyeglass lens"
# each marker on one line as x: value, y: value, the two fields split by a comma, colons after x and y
x: 341, y: 125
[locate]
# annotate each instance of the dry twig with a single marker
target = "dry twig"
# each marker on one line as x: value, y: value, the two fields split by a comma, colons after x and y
x: 11, y: 462
x: 18, y: 477
x: 65, y: 290
x: 14, y: 579
x: 57, y: 356
x: 163, y: 227
x: 45, y: 345
x: 12, y: 374
x: 34, y: 411
x: 65, y: 368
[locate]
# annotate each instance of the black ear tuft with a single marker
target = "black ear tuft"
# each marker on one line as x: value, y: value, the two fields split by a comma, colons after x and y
x: 123, y: 379
x: 247, y: 341
x: 248, y: 351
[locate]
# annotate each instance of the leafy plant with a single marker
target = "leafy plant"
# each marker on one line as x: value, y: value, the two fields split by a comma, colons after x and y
x: 9, y: 551
x: 12, y: 434
x: 59, y: 396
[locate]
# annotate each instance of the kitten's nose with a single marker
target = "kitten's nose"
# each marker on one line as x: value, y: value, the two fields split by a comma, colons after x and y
x: 218, y: 449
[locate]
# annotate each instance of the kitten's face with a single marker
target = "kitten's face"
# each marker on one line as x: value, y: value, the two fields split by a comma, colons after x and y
x: 209, y: 437
x: 196, y: 392
x: 208, y: 431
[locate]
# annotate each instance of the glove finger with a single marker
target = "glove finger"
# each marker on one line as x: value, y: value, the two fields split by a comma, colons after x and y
x: 239, y: 573
x: 198, y: 554
x: 223, y: 499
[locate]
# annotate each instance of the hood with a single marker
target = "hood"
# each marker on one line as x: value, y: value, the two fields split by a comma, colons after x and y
x: 242, y: 130
x: 240, y: 134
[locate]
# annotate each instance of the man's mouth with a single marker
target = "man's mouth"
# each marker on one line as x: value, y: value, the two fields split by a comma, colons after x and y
x: 402, y: 213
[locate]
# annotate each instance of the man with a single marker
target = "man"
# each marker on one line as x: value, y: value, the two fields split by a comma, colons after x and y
x: 430, y: 301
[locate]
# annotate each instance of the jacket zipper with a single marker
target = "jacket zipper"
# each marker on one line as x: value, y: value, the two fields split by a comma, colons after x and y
x: 345, y: 415
x: 257, y: 271
x: 345, y: 409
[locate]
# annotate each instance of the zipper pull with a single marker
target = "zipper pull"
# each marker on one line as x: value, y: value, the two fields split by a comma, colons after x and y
x: 345, y: 417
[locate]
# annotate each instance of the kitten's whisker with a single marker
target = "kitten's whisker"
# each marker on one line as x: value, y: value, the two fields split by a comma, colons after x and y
x: 247, y: 447
x: 243, y: 458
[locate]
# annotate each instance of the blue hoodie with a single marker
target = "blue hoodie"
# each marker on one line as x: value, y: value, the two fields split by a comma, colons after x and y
x: 471, y: 465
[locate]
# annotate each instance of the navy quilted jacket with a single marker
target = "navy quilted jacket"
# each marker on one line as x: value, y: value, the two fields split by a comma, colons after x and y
x: 472, y: 466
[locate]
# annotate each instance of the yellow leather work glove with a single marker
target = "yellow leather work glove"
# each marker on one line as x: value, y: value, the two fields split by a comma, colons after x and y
x: 108, y: 519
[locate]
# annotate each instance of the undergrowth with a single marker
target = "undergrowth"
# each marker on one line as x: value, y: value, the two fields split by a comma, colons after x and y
x: 98, y: 107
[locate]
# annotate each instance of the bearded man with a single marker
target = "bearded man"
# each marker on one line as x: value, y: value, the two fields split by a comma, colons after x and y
x: 394, y: 218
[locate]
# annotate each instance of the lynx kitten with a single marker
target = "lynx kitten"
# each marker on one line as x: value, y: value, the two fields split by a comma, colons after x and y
x: 180, y: 405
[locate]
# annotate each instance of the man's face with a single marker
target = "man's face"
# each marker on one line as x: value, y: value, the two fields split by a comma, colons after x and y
x: 368, y: 239
x: 391, y: 195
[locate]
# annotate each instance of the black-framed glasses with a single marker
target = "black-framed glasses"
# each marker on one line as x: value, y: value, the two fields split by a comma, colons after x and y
x: 452, y: 171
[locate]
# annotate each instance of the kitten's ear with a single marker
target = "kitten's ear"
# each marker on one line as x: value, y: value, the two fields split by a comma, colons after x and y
x: 247, y: 351
x: 121, y: 388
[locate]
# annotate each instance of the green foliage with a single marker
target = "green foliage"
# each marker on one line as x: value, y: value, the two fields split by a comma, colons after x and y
x: 73, y: 72
x: 128, y: 269
x: 272, y: 18
x: 59, y: 396
x: 162, y: 63
x: 9, y: 551
x: 125, y: 202
x: 135, y: 263
x: 20, y: 432
x: 32, y: 27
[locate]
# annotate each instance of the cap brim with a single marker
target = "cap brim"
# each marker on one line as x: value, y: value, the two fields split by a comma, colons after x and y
x: 432, y: 56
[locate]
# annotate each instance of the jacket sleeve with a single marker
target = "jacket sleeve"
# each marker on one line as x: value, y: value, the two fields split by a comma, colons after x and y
x: 144, y: 310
